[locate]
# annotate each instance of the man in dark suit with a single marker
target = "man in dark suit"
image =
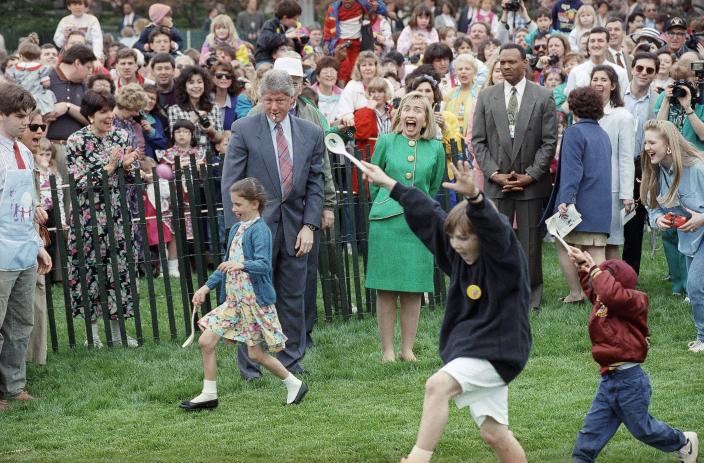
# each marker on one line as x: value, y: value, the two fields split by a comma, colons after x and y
x: 466, y: 15
x: 514, y: 139
x: 617, y: 53
x: 285, y: 153
x: 129, y: 16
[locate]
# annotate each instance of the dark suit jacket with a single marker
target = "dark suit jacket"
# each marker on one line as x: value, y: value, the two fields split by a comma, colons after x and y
x: 627, y: 62
x: 463, y: 22
x: 251, y: 153
x: 532, y: 149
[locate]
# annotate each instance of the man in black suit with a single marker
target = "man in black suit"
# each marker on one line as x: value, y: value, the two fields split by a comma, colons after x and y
x: 128, y: 16
x: 514, y: 138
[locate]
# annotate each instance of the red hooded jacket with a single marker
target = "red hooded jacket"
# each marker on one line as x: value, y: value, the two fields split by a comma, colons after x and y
x: 618, y: 323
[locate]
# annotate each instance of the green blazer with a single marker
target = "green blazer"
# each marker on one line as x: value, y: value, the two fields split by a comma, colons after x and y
x: 422, y: 166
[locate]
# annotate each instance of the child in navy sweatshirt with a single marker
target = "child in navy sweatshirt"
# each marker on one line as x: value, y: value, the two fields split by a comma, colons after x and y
x: 618, y: 329
x: 485, y: 336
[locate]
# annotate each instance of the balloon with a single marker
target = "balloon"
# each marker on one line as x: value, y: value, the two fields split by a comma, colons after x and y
x: 164, y: 171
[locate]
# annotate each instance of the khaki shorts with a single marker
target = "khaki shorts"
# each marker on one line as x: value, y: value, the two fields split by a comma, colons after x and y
x: 483, y: 390
x: 578, y: 238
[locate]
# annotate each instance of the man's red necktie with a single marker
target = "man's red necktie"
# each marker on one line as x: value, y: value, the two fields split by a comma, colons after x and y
x: 18, y: 157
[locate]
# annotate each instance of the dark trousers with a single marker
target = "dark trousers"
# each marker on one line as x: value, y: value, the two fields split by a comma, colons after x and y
x: 289, y: 283
x: 623, y: 397
x: 528, y: 213
x: 633, y: 238
x: 311, y: 295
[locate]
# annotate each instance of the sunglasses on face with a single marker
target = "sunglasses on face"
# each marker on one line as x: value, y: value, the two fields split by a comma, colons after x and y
x: 639, y: 69
x: 35, y: 127
x: 219, y: 75
x: 540, y: 46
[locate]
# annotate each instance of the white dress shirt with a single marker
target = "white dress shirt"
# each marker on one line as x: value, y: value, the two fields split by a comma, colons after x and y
x: 520, y: 90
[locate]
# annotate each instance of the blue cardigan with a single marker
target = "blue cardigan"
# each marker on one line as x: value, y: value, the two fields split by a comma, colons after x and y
x: 257, y: 262
x: 584, y: 176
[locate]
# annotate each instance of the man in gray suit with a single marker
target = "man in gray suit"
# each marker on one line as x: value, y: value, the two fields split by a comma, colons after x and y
x: 514, y: 139
x: 285, y: 153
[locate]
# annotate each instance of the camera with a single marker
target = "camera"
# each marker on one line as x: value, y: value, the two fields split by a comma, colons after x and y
x: 203, y: 121
x: 211, y: 60
x: 512, y: 5
x: 678, y: 88
x: 674, y: 221
x: 413, y: 59
x: 553, y: 60
x: 138, y: 118
x: 694, y: 40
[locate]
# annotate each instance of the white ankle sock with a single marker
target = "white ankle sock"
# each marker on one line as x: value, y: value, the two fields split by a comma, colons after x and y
x: 210, y: 392
x: 115, y: 331
x: 293, y: 385
x: 96, y: 335
x: 420, y: 454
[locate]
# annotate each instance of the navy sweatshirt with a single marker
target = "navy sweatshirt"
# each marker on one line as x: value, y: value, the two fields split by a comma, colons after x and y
x: 491, y: 325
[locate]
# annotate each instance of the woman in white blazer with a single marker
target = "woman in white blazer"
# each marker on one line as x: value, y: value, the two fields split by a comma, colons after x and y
x: 620, y: 125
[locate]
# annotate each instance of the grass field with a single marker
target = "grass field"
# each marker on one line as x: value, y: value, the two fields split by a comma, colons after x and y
x: 121, y: 405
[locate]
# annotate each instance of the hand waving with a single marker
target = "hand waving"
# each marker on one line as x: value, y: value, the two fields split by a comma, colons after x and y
x: 464, y: 179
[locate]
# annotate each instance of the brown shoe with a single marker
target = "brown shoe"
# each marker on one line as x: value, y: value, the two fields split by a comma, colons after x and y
x: 24, y: 396
x: 4, y: 406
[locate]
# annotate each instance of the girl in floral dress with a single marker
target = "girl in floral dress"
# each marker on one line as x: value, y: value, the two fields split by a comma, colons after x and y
x: 90, y: 151
x: 248, y: 314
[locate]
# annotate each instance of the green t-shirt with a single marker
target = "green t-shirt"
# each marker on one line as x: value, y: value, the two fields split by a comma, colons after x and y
x: 677, y: 116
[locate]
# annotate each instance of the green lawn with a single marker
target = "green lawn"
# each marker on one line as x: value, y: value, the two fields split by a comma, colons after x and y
x: 121, y: 405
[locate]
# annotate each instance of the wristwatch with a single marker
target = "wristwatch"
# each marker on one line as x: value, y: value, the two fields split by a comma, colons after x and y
x: 311, y: 226
x: 476, y: 197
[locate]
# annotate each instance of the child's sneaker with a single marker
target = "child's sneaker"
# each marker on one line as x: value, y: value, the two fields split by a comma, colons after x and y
x: 696, y: 346
x: 689, y: 451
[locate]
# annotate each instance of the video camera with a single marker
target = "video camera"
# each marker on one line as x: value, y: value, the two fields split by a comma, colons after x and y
x: 512, y: 5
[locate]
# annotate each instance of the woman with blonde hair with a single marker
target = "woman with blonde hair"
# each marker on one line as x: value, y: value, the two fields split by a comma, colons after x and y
x: 223, y: 32
x: 494, y: 75
x: 583, y: 23
x: 399, y: 267
x: 353, y: 96
x: 672, y: 189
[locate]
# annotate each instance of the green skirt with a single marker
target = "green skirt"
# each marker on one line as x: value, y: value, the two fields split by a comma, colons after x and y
x: 397, y: 261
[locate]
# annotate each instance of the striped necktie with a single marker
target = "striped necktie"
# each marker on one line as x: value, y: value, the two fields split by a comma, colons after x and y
x: 285, y: 165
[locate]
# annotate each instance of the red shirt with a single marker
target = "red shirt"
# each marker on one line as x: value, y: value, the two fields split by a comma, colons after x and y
x: 618, y: 324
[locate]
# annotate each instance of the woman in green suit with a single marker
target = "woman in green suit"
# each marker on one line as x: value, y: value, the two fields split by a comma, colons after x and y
x: 399, y: 267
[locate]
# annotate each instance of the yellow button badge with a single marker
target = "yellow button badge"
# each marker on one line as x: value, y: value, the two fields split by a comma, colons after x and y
x: 474, y: 292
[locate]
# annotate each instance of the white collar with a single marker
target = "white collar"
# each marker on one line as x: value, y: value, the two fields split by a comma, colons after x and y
x: 520, y: 87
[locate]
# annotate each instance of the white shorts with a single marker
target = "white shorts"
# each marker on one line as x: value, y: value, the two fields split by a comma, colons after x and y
x: 483, y: 390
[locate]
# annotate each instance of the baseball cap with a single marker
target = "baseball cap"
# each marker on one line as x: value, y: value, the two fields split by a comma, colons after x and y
x: 293, y: 66
x: 676, y: 21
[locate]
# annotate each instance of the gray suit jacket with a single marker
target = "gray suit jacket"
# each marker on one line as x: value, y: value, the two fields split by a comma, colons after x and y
x: 532, y: 149
x: 251, y: 154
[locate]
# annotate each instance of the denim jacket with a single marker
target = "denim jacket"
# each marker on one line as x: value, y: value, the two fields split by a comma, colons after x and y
x: 690, y: 195
x: 256, y: 244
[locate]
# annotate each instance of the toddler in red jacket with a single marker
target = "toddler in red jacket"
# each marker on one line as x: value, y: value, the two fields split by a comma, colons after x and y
x: 618, y: 329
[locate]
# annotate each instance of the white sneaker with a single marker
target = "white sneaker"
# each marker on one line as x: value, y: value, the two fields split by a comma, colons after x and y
x: 97, y: 343
x: 696, y: 346
x: 689, y: 451
x: 687, y: 300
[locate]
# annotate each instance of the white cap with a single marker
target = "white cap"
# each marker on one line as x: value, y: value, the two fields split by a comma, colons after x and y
x: 294, y: 66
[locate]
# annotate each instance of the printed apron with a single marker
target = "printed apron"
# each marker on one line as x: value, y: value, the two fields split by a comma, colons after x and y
x: 17, y: 235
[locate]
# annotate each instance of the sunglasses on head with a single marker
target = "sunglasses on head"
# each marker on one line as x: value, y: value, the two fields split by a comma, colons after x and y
x: 35, y: 127
x: 649, y: 71
x: 223, y: 75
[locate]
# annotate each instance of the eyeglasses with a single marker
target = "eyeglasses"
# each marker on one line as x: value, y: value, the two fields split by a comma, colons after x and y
x: 649, y: 71
x: 541, y: 46
x: 35, y: 127
x: 677, y: 34
x: 223, y: 75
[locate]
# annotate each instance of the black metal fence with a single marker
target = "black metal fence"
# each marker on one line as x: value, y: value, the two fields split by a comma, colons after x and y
x: 163, y: 303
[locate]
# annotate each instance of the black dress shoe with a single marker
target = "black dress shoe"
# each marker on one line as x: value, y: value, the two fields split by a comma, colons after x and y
x: 301, y: 394
x: 193, y: 406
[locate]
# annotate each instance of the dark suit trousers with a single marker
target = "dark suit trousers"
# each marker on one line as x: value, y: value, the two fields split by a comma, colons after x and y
x: 528, y: 213
x: 289, y: 283
x: 311, y: 295
x: 633, y: 238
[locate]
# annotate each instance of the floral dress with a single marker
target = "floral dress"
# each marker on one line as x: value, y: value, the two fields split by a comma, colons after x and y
x: 240, y: 318
x: 86, y: 155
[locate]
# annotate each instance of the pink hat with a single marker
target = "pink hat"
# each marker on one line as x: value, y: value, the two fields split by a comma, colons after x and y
x: 158, y: 11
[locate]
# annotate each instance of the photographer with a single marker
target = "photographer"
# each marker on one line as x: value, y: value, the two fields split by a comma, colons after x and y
x: 678, y: 105
x: 513, y: 16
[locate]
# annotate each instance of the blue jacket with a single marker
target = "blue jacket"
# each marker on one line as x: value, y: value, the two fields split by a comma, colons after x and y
x: 257, y: 262
x: 584, y: 176
x: 156, y: 139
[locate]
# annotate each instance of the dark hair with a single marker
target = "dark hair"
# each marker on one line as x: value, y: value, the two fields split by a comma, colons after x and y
x: 453, y: 10
x: 227, y: 49
x: 162, y: 58
x: 235, y: 86
x: 421, y: 10
x: 600, y: 30
x: 29, y: 50
x: 93, y: 102
x: 542, y: 35
x: 327, y: 62
x: 288, y: 9
x: 437, y: 51
x: 615, y: 94
x: 585, y: 103
x: 395, y: 56
x: 14, y: 98
x: 252, y: 190
x: 632, y: 17
x: 425, y: 73
x: 126, y: 53
x: 646, y: 55
x: 96, y: 77
x: 613, y: 19
x: 481, y: 52
x: 78, y: 52
x: 157, y: 31
x: 460, y: 40
x: 184, y: 124
x: 182, y: 98
x: 542, y: 13
x: 514, y: 46
x: 73, y: 2
x: 47, y: 46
